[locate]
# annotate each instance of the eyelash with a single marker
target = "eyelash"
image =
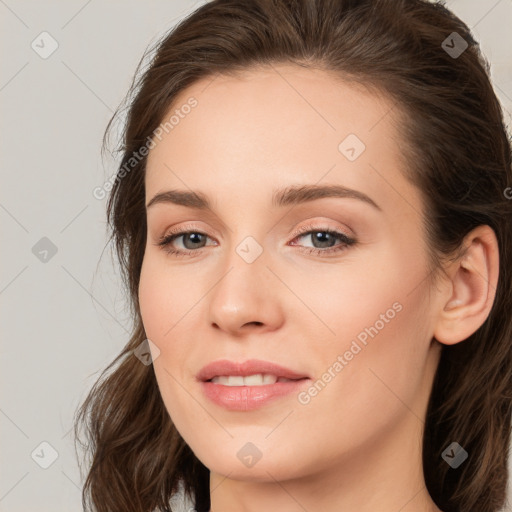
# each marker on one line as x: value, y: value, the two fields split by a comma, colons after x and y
x: 166, y: 240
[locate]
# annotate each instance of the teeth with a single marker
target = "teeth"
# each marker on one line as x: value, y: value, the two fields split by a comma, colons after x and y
x: 258, y: 379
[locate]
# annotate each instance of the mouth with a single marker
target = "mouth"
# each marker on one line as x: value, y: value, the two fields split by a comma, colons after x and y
x: 257, y: 379
x: 247, y: 386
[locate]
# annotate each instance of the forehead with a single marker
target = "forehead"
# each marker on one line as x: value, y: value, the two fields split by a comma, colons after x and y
x: 265, y: 128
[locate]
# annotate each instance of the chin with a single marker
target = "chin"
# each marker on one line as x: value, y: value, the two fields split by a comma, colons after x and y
x: 260, y: 472
x: 239, y: 466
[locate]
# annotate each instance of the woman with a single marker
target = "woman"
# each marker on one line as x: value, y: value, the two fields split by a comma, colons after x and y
x: 312, y: 219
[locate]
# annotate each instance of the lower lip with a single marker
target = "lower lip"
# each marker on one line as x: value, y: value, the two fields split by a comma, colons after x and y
x: 247, y: 398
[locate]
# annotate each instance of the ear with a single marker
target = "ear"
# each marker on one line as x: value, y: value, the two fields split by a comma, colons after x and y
x: 469, y: 295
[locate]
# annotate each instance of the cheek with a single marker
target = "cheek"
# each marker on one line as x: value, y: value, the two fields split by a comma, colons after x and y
x: 159, y: 308
x: 380, y: 319
x: 383, y: 349
x: 351, y: 296
x: 151, y: 298
x: 164, y: 298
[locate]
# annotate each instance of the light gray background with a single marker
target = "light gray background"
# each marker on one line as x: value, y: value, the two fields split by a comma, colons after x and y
x: 65, y: 319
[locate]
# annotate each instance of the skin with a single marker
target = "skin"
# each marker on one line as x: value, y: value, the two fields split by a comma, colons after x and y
x: 356, y: 445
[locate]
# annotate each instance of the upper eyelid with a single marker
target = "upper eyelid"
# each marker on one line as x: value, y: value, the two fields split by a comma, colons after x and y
x: 311, y: 224
x: 312, y: 227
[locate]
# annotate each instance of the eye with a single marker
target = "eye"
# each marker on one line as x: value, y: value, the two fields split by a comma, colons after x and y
x: 192, y: 241
x: 324, y: 241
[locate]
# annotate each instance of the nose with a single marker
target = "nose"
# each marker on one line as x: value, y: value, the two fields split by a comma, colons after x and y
x: 248, y: 298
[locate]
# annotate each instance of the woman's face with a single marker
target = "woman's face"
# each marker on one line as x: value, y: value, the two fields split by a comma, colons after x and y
x: 263, y: 280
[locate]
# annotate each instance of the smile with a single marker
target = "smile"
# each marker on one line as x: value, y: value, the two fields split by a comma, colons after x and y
x: 248, y: 385
x: 258, y: 379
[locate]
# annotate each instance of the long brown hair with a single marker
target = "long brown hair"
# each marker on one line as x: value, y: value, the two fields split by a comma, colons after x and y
x: 459, y: 155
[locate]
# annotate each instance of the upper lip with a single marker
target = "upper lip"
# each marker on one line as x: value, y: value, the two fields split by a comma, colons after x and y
x: 250, y: 367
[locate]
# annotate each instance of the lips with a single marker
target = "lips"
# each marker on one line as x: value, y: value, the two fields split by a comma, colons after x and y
x: 225, y: 367
x: 248, y: 386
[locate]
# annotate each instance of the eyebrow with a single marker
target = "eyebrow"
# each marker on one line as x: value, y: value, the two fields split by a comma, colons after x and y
x: 292, y: 195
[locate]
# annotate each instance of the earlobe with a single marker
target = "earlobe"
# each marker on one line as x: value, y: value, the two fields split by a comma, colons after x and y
x: 473, y: 280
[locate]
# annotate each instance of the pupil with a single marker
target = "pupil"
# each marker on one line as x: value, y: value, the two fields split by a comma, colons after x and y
x: 322, y: 234
x: 197, y: 236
